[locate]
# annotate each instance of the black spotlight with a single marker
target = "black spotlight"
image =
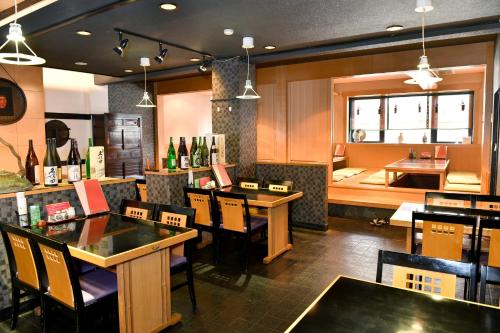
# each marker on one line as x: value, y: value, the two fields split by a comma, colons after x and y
x: 204, y: 65
x: 122, y: 44
x: 163, y: 53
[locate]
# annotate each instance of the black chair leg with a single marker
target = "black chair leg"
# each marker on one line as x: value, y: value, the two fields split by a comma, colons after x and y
x: 16, y: 294
x: 290, y: 232
x: 45, y: 314
x: 190, y: 280
x: 80, y: 322
x: 247, y: 250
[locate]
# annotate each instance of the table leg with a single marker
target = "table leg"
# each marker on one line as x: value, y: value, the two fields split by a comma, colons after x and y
x: 144, y: 294
x: 408, y: 240
x: 277, y: 224
x: 386, y: 178
x: 441, y: 181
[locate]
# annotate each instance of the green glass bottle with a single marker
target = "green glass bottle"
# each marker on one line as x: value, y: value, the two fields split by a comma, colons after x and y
x: 196, y: 158
x: 171, y: 156
x: 205, y: 160
x: 87, y: 159
x: 192, y: 151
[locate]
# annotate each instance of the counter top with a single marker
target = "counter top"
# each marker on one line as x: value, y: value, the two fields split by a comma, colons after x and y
x: 293, y: 163
x: 64, y: 186
x: 165, y: 172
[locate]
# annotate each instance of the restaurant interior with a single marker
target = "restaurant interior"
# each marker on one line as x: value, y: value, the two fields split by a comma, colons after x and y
x: 249, y: 166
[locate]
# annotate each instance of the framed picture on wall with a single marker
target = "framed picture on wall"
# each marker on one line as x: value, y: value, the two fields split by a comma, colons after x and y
x: 12, y: 102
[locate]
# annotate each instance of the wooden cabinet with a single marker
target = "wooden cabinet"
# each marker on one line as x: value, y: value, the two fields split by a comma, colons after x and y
x: 123, y: 145
x: 309, y: 121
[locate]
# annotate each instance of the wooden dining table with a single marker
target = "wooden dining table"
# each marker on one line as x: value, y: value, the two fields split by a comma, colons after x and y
x: 354, y: 305
x: 276, y: 204
x: 418, y: 166
x: 139, y: 250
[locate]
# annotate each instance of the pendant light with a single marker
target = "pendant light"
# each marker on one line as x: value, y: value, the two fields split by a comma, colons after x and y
x: 16, y: 38
x: 249, y: 92
x: 146, y: 100
x: 425, y: 77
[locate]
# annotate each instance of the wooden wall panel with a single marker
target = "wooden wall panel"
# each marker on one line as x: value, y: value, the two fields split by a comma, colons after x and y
x: 309, y: 120
x: 266, y: 123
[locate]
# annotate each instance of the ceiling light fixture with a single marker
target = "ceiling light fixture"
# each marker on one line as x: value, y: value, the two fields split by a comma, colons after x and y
x: 228, y: 32
x: 249, y: 92
x: 425, y: 77
x: 81, y: 63
x: 16, y: 37
x: 122, y: 44
x: 194, y: 59
x: 162, y: 54
x: 204, y: 65
x: 168, y: 6
x: 128, y: 70
x: 394, y: 27
x: 269, y: 47
x: 83, y: 33
x: 146, y: 100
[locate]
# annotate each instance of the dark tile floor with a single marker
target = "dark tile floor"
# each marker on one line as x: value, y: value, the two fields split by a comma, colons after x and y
x: 270, y: 297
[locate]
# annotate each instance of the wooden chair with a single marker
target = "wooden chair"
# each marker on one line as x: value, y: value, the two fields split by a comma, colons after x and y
x: 250, y: 183
x: 442, y: 235
x: 137, y: 209
x: 180, y: 255
x: 233, y: 215
x: 77, y: 295
x: 24, y: 275
x: 487, y: 202
x: 489, y: 275
x: 456, y: 200
x: 431, y: 275
x: 493, y: 256
x: 282, y: 186
x: 203, y: 202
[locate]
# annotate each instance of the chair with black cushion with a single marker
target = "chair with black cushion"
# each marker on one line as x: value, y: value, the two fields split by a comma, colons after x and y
x: 492, y: 257
x: 180, y: 255
x: 25, y: 278
x: 203, y: 202
x: 489, y: 275
x: 455, y: 200
x: 234, y: 217
x: 443, y: 235
x: 76, y: 295
x: 249, y: 183
x: 426, y: 274
x: 282, y: 186
x: 487, y: 202
x: 137, y: 209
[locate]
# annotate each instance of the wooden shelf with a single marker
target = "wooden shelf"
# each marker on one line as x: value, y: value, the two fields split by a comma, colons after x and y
x: 165, y: 172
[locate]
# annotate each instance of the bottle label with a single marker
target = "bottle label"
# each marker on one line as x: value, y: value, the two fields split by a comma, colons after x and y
x: 184, y: 162
x: 214, y: 158
x: 172, y: 162
x: 36, y: 169
x: 74, y: 174
x: 196, y: 159
x: 59, y: 173
x: 50, y: 175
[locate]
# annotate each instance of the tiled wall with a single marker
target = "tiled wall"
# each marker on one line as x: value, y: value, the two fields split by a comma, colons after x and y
x: 122, y: 98
x: 32, y: 125
x: 169, y: 189
x: 312, y: 209
x: 114, y: 194
x: 240, y: 124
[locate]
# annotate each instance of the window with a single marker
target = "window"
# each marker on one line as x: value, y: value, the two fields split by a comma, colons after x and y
x: 444, y: 117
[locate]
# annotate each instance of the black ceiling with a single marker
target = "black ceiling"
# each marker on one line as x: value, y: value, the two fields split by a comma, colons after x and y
x: 199, y: 24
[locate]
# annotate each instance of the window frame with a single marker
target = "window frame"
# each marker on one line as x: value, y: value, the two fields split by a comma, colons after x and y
x: 432, y: 120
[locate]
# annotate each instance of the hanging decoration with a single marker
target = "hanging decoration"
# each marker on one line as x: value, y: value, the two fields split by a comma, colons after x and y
x: 249, y: 92
x: 146, y: 100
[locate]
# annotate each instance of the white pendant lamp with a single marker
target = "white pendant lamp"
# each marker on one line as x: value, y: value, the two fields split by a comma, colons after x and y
x: 146, y: 101
x: 249, y: 92
x: 425, y: 77
x: 17, y: 40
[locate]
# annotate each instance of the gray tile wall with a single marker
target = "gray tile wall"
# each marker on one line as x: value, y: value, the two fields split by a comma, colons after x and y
x: 122, y: 98
x: 312, y: 209
x: 114, y: 193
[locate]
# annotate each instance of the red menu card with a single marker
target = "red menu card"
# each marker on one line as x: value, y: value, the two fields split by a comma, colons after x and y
x: 339, y: 149
x: 221, y: 175
x: 91, y: 197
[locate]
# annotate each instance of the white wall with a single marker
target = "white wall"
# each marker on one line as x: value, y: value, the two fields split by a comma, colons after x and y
x: 183, y: 114
x: 74, y: 92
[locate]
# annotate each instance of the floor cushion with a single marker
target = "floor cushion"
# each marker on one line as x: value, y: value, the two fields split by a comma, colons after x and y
x: 459, y: 177
x: 378, y: 178
x: 348, y: 172
x: 476, y: 188
x: 338, y: 178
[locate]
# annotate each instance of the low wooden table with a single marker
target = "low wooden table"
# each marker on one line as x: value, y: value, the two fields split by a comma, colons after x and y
x: 277, y: 216
x: 352, y: 305
x: 419, y: 166
x: 140, y: 251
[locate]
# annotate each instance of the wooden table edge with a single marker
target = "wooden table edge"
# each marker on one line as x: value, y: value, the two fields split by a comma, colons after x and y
x: 275, y: 203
